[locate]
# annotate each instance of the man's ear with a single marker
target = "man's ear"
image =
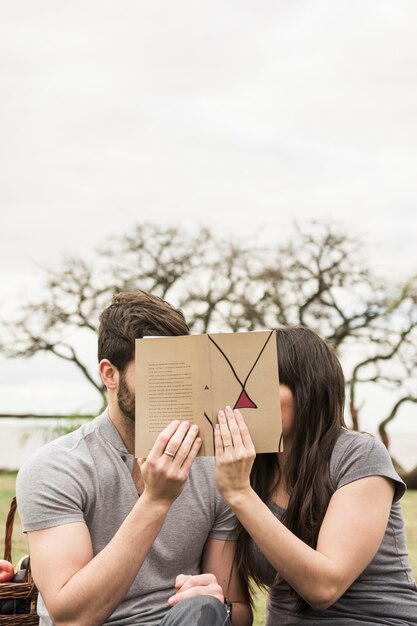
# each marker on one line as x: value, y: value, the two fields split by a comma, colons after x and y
x: 109, y: 374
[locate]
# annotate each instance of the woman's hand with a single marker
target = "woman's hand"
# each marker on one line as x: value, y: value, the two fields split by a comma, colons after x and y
x: 235, y: 454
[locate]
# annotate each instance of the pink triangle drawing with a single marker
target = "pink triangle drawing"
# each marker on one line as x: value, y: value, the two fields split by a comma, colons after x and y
x: 244, y: 402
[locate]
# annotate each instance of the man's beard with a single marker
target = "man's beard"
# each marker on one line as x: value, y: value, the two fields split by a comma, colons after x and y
x: 126, y: 399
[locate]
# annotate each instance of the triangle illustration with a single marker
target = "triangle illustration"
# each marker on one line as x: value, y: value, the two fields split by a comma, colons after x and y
x: 244, y: 402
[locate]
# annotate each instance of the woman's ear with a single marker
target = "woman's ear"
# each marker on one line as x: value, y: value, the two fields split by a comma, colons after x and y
x: 109, y: 374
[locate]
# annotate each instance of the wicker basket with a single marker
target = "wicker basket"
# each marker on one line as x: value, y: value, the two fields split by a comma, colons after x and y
x: 18, y: 599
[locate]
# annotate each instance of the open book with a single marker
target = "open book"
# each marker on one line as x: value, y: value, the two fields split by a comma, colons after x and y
x: 192, y: 377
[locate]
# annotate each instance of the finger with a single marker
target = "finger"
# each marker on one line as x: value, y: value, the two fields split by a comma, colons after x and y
x: 192, y: 455
x: 234, y: 428
x: 244, y: 431
x: 198, y: 580
x: 176, y: 439
x: 162, y: 440
x: 182, y: 595
x: 180, y: 580
x: 187, y: 443
x: 224, y: 430
x: 196, y: 591
x: 218, y: 443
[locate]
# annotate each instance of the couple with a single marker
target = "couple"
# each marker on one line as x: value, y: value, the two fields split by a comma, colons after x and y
x: 118, y: 541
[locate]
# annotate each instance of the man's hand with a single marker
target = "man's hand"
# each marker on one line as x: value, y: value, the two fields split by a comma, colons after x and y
x: 235, y: 454
x: 73, y: 592
x: 200, y: 585
x: 168, y: 464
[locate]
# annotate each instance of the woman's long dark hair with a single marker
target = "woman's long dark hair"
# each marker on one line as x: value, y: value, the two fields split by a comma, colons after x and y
x: 311, y: 369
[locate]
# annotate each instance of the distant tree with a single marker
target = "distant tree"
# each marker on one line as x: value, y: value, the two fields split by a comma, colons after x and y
x: 319, y: 279
x: 391, y: 363
x: 149, y: 257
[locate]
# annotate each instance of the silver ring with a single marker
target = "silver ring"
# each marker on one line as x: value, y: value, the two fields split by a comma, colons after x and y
x: 169, y: 454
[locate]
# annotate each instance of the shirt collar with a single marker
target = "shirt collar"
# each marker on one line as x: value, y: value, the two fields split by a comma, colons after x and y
x: 110, y: 433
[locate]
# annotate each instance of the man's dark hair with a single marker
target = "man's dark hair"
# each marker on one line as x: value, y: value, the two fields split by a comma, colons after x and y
x: 133, y: 315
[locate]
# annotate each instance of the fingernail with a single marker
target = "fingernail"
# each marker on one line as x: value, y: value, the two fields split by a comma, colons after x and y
x: 228, y: 408
x: 221, y: 413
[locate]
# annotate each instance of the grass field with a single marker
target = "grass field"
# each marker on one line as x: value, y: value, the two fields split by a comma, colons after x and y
x: 7, y: 491
x: 19, y: 545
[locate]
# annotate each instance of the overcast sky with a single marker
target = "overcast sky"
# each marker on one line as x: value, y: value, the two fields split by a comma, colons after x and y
x: 240, y: 115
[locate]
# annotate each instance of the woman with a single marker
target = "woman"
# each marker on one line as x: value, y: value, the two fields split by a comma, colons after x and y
x: 321, y: 523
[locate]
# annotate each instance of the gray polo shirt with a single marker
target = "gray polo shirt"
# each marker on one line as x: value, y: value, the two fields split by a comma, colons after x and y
x: 86, y: 477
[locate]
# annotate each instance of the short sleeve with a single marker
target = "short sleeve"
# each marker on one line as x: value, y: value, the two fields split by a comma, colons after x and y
x: 359, y: 455
x: 225, y: 522
x: 49, y: 493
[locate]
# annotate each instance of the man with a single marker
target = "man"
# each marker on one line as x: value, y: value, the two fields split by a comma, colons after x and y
x: 118, y: 541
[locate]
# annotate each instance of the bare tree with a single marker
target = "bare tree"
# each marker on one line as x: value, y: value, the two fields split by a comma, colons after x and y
x: 318, y: 279
x: 391, y: 363
x: 154, y: 258
x: 214, y: 298
x: 71, y: 301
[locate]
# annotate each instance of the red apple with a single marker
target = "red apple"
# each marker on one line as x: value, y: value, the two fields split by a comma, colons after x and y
x: 6, y: 571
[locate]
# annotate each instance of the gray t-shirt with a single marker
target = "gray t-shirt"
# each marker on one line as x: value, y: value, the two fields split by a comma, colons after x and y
x: 385, y: 592
x: 86, y: 476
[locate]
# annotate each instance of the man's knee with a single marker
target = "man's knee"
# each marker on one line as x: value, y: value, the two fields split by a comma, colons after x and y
x: 208, y: 610
x: 197, y: 611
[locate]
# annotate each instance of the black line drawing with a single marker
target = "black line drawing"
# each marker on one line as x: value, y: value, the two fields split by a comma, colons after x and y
x: 243, y: 401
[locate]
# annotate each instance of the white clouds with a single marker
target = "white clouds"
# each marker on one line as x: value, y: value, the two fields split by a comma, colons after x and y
x: 178, y: 110
x: 241, y: 115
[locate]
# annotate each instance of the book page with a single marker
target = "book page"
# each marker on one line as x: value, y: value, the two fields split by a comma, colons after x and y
x: 192, y: 377
x: 168, y: 386
x: 244, y: 375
